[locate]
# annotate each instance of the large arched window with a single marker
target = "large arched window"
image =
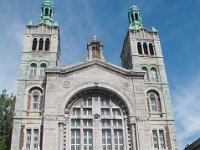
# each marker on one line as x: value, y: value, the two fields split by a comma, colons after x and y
x: 146, y: 75
x: 139, y: 47
x: 154, y: 73
x: 145, y: 48
x: 153, y: 102
x: 43, y: 67
x: 96, y: 115
x: 47, y: 44
x: 46, y: 11
x: 33, y: 69
x: 41, y: 43
x: 34, y: 46
x: 151, y: 49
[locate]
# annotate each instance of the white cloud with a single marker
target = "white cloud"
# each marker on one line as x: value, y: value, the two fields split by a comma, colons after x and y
x: 186, y: 109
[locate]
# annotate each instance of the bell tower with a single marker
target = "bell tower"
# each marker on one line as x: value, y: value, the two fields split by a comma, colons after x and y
x: 41, y: 50
x: 142, y: 52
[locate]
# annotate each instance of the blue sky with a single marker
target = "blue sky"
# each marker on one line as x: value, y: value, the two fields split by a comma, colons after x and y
x: 177, y: 23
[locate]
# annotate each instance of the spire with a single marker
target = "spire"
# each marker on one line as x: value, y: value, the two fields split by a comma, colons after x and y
x: 135, y: 18
x: 95, y: 49
x: 47, y: 13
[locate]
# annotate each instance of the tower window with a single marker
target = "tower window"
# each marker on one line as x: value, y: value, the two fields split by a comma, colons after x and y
x: 145, y: 48
x: 146, y: 73
x: 36, y: 139
x: 47, y: 44
x: 28, y: 139
x: 35, y: 98
x: 50, y: 13
x: 34, y: 46
x: 151, y: 49
x: 154, y: 73
x: 136, y: 16
x: 41, y: 42
x: 139, y: 47
x: 154, y: 101
x: 155, y: 138
x: 46, y: 12
x: 132, y: 17
x: 33, y: 69
x: 42, y: 69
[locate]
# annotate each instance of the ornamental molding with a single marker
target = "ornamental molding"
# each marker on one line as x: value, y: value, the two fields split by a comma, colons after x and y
x: 62, y: 72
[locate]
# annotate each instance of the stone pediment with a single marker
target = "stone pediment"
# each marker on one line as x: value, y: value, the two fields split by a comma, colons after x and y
x: 91, y: 64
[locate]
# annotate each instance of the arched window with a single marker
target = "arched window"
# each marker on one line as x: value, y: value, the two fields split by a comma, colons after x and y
x: 96, y: 114
x: 139, y: 47
x: 132, y: 17
x: 50, y: 12
x: 35, y: 98
x: 146, y: 76
x: 42, y: 69
x: 145, y: 48
x: 41, y: 42
x: 136, y: 16
x: 153, y: 102
x: 46, y: 11
x: 154, y: 73
x: 34, y: 45
x: 33, y: 69
x: 47, y: 44
x: 151, y: 49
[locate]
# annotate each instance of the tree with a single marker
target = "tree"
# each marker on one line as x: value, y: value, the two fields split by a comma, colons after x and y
x: 7, y: 102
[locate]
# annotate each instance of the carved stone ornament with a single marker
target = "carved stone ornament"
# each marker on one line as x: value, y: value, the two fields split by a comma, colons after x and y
x: 66, y: 84
x: 125, y: 86
x: 96, y: 116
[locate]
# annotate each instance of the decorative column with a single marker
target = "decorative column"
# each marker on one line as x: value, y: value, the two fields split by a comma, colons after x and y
x: 133, y: 136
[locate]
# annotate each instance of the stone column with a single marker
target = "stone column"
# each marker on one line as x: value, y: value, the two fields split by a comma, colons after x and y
x: 133, y: 136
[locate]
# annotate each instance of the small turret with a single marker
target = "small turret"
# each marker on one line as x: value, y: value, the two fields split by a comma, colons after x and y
x: 47, y: 13
x: 135, y: 18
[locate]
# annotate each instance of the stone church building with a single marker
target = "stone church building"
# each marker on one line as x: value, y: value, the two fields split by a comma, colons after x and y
x: 93, y: 105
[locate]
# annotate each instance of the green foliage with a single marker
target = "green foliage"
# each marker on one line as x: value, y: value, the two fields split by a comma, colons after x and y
x: 7, y: 103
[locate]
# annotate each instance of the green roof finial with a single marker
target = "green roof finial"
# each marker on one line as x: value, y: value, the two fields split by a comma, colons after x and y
x: 135, y: 18
x: 47, y: 13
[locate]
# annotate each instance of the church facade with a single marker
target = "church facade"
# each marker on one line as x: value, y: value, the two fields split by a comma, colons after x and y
x: 93, y: 105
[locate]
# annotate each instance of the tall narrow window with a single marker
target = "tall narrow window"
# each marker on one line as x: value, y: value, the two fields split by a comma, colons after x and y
x: 47, y: 44
x: 145, y: 48
x: 34, y: 46
x: 162, y: 138
x: 154, y: 101
x: 33, y: 69
x: 75, y: 139
x: 151, y: 49
x: 139, y: 47
x: 50, y: 13
x: 87, y: 139
x: 106, y: 139
x: 28, y: 139
x: 118, y: 138
x: 35, y: 100
x: 36, y: 139
x: 154, y: 73
x: 132, y: 17
x: 136, y: 16
x: 41, y: 43
x: 46, y: 11
x: 155, y: 139
x: 146, y: 77
x: 42, y: 69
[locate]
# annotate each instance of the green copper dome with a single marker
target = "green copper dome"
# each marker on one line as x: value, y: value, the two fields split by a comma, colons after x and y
x: 135, y: 18
x: 47, y: 13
